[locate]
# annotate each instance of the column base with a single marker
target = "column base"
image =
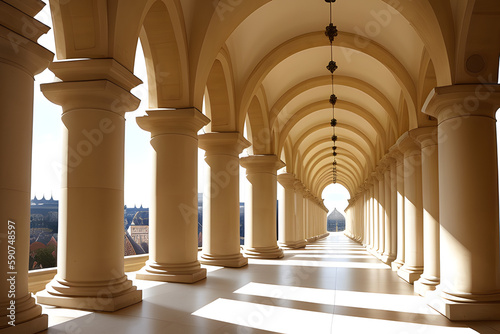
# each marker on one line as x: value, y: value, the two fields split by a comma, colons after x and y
x: 425, y: 284
x: 231, y: 261
x: 325, y: 235
x: 174, y: 273
x: 312, y: 239
x: 463, y: 311
x: 107, y: 296
x: 293, y: 244
x: 101, y: 302
x: 32, y: 326
x: 264, y: 252
x: 410, y: 275
x: 387, y: 259
x: 397, y: 264
x: 27, y: 317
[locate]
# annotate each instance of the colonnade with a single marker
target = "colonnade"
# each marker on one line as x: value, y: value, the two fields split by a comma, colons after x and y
x: 430, y: 208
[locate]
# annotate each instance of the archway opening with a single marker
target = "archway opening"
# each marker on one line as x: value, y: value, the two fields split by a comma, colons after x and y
x: 335, y: 198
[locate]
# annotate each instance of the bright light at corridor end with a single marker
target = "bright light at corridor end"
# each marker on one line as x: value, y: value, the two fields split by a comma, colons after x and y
x: 335, y: 196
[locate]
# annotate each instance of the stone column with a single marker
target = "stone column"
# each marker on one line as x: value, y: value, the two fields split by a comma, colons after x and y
x: 414, y: 255
x: 381, y: 211
x: 400, y: 208
x: 375, y: 223
x: 389, y: 255
x: 394, y: 210
x: 221, y: 207
x: 365, y: 215
x: 94, y: 95
x: 21, y: 58
x: 287, y: 232
x: 173, y: 216
x: 468, y: 200
x: 430, y: 194
x: 370, y: 216
x: 260, y: 208
x: 299, y: 211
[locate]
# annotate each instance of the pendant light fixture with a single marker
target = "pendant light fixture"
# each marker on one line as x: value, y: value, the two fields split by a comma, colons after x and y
x: 332, y: 32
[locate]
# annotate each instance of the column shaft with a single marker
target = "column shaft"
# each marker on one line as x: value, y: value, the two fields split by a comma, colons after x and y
x: 468, y: 193
x: 221, y: 207
x: 400, y: 211
x: 287, y: 232
x: 414, y: 261
x: 21, y: 58
x: 260, y: 208
x: 173, y: 216
x: 92, y: 187
x: 430, y: 193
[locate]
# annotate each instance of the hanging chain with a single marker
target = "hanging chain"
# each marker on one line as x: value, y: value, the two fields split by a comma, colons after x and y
x: 331, y: 32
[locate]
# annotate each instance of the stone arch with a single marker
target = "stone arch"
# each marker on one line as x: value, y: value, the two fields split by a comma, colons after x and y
x: 258, y: 129
x: 165, y: 50
x: 220, y: 89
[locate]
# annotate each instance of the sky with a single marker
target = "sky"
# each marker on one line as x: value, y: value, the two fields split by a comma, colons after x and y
x: 47, y: 144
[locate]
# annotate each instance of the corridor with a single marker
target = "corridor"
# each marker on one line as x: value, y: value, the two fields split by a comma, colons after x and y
x: 331, y: 286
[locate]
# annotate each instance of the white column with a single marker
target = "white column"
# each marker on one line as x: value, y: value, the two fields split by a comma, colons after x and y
x: 260, y: 207
x: 468, y: 200
x: 21, y: 58
x: 389, y: 255
x: 299, y: 211
x: 173, y: 216
x: 400, y: 211
x: 94, y: 99
x: 221, y: 207
x: 381, y: 211
x: 430, y: 193
x: 414, y: 255
x: 287, y: 231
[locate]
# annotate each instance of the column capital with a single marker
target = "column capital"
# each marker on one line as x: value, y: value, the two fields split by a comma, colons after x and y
x: 396, y: 154
x: 408, y: 145
x: 287, y: 180
x: 167, y: 121
x: 19, y: 33
x: 95, y: 70
x: 232, y: 143
x: 463, y: 100
x: 298, y: 186
x: 262, y: 163
x: 426, y: 136
x: 98, y: 94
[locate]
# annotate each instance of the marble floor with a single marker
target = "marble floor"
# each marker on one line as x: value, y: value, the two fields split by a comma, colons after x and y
x: 331, y: 286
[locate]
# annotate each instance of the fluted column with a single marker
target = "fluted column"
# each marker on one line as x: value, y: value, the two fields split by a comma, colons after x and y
x: 288, y: 237
x: 94, y: 95
x: 221, y: 207
x: 21, y: 58
x: 260, y: 208
x: 173, y: 216
x: 414, y: 255
x: 400, y: 208
x: 468, y: 200
x: 430, y: 196
x: 299, y: 210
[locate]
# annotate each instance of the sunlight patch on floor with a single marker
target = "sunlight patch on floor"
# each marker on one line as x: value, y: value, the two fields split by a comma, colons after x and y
x: 326, y: 264
x: 267, y: 317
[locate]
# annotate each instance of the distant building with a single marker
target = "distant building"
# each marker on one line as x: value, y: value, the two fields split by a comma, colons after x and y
x: 336, y: 221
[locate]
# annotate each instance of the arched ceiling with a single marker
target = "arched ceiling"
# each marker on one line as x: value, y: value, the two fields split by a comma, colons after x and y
x: 261, y: 64
x: 280, y: 49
